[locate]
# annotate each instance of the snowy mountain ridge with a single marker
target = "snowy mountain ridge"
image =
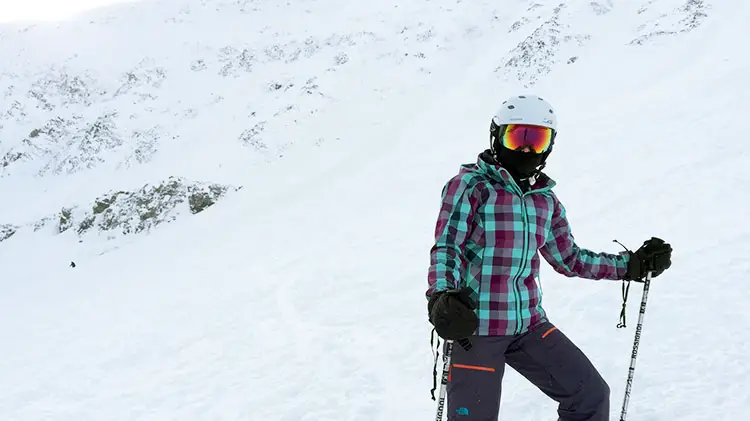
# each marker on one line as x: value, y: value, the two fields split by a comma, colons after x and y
x: 255, y: 97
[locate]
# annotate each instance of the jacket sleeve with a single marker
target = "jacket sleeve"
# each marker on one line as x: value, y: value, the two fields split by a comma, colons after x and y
x: 457, y: 210
x: 567, y: 258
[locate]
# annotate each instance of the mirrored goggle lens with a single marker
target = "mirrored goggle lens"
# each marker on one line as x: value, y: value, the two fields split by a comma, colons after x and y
x: 518, y: 136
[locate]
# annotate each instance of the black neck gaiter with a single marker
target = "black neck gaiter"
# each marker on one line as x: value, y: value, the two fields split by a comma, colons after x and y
x: 520, y: 165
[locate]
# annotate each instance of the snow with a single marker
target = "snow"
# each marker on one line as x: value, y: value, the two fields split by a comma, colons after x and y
x: 300, y: 297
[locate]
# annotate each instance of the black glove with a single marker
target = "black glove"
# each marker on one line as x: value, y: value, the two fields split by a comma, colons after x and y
x: 654, y: 256
x: 452, y: 313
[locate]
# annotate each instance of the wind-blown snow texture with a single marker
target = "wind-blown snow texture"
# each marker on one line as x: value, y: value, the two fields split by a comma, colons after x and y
x: 299, y: 297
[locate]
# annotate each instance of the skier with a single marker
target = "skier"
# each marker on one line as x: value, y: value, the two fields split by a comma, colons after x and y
x: 497, y: 217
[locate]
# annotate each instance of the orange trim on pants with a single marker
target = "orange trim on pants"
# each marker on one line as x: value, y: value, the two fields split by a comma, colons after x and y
x: 474, y: 367
x: 552, y: 329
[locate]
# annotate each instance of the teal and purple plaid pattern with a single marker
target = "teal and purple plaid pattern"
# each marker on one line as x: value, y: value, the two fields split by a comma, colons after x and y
x: 487, y: 237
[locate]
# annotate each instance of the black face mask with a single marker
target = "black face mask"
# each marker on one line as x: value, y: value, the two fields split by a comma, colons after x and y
x: 519, y: 164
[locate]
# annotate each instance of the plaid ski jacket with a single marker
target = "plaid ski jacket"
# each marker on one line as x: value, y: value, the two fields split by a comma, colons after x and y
x: 487, y: 237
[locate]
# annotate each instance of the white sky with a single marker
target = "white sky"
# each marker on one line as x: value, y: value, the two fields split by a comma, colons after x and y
x: 28, y: 10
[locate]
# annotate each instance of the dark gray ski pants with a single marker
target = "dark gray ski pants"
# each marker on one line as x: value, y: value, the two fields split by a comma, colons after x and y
x: 545, y: 356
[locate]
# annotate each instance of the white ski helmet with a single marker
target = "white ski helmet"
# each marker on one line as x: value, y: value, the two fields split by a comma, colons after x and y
x: 526, y: 109
x: 522, y: 109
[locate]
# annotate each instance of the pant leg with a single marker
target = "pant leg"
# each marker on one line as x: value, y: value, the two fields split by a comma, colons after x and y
x: 558, y: 368
x: 475, y: 379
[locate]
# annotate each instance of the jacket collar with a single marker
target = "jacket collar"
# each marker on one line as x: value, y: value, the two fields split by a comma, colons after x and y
x: 487, y: 165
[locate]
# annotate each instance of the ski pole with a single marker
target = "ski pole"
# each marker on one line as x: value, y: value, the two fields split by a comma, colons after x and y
x: 444, y: 379
x: 636, y: 343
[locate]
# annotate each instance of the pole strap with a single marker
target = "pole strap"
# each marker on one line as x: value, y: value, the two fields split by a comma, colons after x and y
x: 625, y: 291
x: 436, y: 353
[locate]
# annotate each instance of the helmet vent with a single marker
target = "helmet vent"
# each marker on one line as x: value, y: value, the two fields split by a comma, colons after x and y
x: 521, y: 96
x: 510, y: 107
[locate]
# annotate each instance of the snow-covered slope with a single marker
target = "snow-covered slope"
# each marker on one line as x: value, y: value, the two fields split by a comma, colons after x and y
x: 210, y: 89
x: 299, y: 297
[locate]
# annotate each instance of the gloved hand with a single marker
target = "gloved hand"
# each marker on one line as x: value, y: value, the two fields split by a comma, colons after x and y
x: 654, y: 255
x: 452, y: 313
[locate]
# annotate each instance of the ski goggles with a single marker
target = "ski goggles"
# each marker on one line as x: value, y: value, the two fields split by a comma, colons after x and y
x: 536, y: 138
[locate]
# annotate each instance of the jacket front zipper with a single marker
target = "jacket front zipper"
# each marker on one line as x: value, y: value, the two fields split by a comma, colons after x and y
x: 516, y: 289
